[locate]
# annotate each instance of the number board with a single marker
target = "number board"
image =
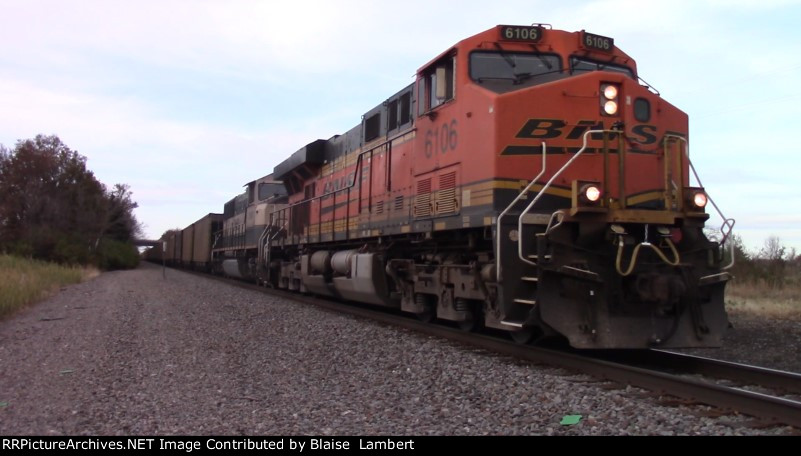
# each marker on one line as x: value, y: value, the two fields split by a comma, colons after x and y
x: 597, y: 42
x: 529, y: 34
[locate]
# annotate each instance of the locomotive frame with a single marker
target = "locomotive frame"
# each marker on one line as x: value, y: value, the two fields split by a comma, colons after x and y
x: 430, y: 204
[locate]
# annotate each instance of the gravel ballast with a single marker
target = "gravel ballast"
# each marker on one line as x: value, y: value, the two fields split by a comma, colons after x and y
x: 133, y: 353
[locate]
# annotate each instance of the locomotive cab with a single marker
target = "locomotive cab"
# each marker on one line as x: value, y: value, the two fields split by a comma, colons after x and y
x: 248, y: 219
x: 599, y: 233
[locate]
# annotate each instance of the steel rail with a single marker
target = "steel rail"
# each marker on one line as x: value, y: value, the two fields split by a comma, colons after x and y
x: 773, y: 409
x: 745, y: 374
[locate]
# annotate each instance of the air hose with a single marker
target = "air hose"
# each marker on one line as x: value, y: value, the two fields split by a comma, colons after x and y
x: 636, y: 252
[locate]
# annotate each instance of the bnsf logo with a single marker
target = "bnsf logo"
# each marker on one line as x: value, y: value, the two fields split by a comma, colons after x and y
x: 555, y: 128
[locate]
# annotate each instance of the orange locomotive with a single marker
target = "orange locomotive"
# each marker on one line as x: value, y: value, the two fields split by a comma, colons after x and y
x: 527, y: 181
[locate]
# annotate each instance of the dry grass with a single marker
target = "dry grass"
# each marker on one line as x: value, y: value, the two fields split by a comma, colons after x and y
x: 764, y: 300
x: 24, y: 281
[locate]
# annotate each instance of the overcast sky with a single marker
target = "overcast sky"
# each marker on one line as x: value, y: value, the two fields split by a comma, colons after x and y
x: 186, y: 101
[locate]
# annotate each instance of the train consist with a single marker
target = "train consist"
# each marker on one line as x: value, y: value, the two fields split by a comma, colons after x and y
x: 527, y: 181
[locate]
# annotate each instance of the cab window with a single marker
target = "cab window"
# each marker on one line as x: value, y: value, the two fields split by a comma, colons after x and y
x: 437, y: 84
x: 583, y: 65
x: 504, y: 71
x: 269, y: 190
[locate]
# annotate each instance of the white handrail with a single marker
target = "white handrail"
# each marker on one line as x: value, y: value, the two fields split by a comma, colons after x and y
x: 261, y: 242
x: 508, y: 208
x: 546, y: 186
x: 727, y: 222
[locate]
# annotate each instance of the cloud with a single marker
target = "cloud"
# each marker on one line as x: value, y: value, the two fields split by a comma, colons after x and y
x: 166, y: 161
x: 186, y: 100
x: 751, y: 5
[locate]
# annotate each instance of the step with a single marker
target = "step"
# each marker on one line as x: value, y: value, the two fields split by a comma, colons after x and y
x: 529, y: 279
x: 530, y: 302
x: 580, y: 273
x: 536, y: 257
x: 536, y: 219
x: 513, y: 323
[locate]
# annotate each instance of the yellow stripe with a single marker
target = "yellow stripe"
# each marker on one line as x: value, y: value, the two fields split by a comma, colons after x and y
x: 644, y: 198
x: 513, y: 185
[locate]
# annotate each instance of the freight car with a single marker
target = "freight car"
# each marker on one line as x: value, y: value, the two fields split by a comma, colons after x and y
x: 191, y: 247
x: 527, y: 181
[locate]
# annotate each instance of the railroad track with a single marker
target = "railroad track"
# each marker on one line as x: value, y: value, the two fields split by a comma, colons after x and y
x: 728, y: 386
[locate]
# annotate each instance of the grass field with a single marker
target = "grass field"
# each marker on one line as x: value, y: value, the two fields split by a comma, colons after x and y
x: 761, y: 299
x: 24, y: 281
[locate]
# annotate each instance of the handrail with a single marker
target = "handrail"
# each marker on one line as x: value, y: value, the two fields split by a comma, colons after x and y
x: 727, y: 222
x: 356, y: 178
x: 560, y: 215
x: 278, y: 231
x: 267, y: 233
x: 356, y: 174
x: 546, y: 186
x: 269, y: 244
x: 508, y: 208
x: 260, y: 246
x: 650, y: 88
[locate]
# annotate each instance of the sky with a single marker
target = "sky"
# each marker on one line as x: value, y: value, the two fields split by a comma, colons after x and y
x: 187, y: 101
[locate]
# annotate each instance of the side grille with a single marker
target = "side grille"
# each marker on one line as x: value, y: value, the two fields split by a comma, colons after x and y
x: 446, y: 200
x: 422, y: 201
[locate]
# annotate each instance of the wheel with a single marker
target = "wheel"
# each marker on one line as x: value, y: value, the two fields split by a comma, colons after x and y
x: 426, y: 316
x: 475, y: 322
x: 524, y: 336
x: 474, y: 312
x: 428, y: 303
x: 469, y: 325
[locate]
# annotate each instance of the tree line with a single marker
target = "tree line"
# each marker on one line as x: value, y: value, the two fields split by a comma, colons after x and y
x: 53, y: 208
x: 773, y: 265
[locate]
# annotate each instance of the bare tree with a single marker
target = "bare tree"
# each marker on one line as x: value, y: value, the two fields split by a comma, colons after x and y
x: 772, y: 249
x: 772, y: 262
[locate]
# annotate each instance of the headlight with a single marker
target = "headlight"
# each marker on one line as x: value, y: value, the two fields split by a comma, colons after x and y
x: 700, y: 200
x: 586, y: 196
x: 695, y: 199
x: 591, y: 192
x: 609, y: 99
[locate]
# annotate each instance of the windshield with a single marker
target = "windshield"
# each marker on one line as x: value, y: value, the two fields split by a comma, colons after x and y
x: 270, y: 190
x: 579, y: 65
x: 505, y: 71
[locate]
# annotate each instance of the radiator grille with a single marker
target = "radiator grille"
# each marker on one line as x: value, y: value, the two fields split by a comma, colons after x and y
x: 422, y: 202
x: 446, y: 200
